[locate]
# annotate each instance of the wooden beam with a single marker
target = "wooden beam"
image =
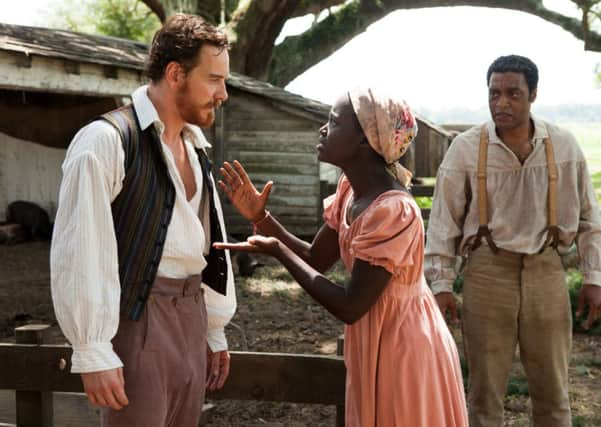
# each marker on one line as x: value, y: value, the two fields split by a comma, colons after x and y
x: 34, y: 408
x: 282, y: 377
x: 279, y: 377
x: 50, y: 75
x: 218, y: 144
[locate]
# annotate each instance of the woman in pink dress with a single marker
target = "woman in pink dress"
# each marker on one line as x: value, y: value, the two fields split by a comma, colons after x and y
x: 402, y: 363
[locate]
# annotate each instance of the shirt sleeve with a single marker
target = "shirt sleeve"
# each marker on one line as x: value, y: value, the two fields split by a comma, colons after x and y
x: 588, y: 240
x: 332, y: 205
x: 390, y: 235
x: 445, y: 226
x: 83, y: 260
x: 220, y: 308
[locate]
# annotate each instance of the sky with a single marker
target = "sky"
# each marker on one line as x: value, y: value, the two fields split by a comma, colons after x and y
x: 435, y: 58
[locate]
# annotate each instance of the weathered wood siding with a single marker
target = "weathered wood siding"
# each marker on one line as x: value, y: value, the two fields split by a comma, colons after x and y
x: 18, y: 71
x: 429, y: 149
x: 276, y: 145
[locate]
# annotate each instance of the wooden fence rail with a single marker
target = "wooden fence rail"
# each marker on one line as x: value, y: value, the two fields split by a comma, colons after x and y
x: 36, y: 370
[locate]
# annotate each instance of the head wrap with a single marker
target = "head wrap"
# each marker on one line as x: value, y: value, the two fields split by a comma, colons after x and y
x: 389, y: 126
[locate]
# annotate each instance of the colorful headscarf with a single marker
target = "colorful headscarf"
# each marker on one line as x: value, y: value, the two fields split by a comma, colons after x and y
x: 389, y: 126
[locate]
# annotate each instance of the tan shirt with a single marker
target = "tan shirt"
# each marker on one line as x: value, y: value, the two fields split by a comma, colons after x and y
x: 517, y: 202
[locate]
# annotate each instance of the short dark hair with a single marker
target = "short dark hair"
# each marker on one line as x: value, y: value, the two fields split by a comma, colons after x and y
x: 180, y: 39
x: 515, y: 64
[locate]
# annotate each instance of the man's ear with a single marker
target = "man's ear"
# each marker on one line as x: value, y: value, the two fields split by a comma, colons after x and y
x: 533, y: 95
x: 174, y: 73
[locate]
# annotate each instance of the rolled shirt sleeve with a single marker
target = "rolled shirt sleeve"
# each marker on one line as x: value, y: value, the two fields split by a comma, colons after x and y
x: 588, y: 239
x: 445, y: 226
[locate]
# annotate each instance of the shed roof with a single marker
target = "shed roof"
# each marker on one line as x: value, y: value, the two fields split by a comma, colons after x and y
x: 123, y: 53
x: 128, y: 54
x: 73, y: 46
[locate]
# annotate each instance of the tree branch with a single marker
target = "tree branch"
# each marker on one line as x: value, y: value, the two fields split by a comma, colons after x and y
x: 255, y: 26
x: 314, y: 6
x: 157, y: 8
x: 298, y: 53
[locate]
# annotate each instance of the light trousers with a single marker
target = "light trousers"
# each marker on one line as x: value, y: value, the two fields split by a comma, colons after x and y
x: 514, y: 299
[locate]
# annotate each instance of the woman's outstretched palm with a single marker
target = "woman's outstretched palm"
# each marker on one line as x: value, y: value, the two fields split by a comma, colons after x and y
x: 242, y: 193
x: 262, y: 244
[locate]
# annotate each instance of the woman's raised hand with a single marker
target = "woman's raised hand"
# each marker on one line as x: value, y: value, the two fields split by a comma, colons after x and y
x: 242, y: 193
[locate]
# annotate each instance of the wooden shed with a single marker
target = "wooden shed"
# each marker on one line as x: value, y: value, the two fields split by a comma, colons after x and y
x: 53, y: 81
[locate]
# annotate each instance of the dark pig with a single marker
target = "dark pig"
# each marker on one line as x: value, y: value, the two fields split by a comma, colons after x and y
x: 11, y: 234
x: 32, y: 217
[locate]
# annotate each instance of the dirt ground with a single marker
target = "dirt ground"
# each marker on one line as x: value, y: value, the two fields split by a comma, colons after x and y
x: 275, y: 315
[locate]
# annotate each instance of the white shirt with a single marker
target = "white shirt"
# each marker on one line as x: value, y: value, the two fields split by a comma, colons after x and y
x: 83, y: 260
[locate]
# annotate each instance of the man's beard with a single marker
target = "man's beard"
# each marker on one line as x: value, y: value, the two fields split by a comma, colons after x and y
x: 201, y: 116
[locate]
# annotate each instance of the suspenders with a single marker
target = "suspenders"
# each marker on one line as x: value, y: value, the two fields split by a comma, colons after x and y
x: 483, y: 230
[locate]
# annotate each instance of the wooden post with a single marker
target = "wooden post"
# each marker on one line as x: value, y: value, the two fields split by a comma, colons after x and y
x: 219, y: 143
x: 340, y: 410
x: 34, y: 408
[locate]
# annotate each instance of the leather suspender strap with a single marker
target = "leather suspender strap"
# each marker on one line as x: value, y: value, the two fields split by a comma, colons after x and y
x: 553, y: 229
x: 483, y: 230
x: 482, y: 166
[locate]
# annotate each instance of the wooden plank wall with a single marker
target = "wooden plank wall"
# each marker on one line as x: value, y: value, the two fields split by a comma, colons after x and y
x: 430, y: 148
x: 276, y: 145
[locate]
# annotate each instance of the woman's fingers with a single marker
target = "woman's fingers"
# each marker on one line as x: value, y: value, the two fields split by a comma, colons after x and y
x: 233, y: 177
x: 226, y: 189
x: 242, y: 172
x: 242, y: 246
x: 225, y: 174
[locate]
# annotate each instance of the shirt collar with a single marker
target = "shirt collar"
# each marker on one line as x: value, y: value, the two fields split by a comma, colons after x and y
x: 148, y: 115
x: 540, y: 131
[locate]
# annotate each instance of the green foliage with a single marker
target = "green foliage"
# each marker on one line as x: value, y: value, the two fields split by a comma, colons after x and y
x: 574, y: 285
x: 424, y: 202
x: 517, y: 386
x: 458, y: 284
x: 582, y: 421
x: 337, y: 28
x: 464, y: 370
x: 129, y: 19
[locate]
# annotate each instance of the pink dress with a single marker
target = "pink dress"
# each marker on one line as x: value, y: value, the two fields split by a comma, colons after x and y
x: 402, y: 363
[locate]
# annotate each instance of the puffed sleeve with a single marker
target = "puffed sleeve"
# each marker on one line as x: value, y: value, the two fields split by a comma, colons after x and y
x: 333, y: 205
x: 390, y: 234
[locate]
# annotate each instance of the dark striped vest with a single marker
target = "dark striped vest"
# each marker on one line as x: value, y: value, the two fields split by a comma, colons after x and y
x: 142, y: 212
